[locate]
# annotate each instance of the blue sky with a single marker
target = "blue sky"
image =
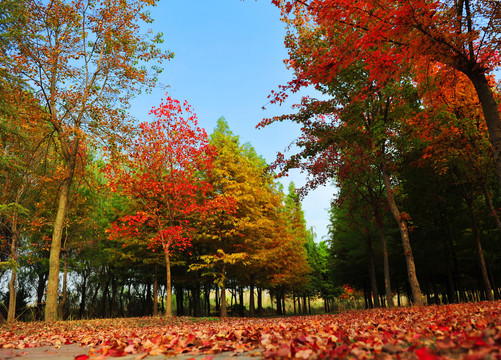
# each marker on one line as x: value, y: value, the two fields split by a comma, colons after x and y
x: 228, y: 57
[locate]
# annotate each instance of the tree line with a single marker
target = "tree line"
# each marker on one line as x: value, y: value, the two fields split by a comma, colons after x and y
x: 407, y: 128
x: 104, y: 216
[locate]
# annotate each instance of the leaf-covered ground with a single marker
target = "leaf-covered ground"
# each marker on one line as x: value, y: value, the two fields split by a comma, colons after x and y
x: 469, y: 331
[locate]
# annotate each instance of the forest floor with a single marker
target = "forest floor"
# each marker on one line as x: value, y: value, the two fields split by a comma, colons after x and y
x: 463, y: 331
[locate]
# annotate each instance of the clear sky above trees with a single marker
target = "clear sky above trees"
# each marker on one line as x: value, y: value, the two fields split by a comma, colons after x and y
x: 228, y: 58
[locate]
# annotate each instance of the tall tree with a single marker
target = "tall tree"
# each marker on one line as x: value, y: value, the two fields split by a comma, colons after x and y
x: 358, y: 133
x: 84, y: 60
x: 237, y: 178
x: 162, y: 172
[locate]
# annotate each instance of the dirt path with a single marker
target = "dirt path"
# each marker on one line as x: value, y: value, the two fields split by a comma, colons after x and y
x: 69, y: 352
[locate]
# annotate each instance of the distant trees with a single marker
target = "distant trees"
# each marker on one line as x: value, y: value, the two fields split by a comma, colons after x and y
x: 407, y: 129
x: 212, y: 200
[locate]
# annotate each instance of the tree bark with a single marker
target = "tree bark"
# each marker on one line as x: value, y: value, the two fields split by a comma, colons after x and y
x: 60, y: 314
x: 404, y: 234
x: 83, y: 295
x: 251, y: 297
x: 491, y: 113
x: 42, y: 279
x: 55, y: 247
x: 372, y: 272
x: 168, y: 290
x: 218, y: 300
x: 480, y: 253
x: 241, y: 307
x: 490, y: 206
x: 179, y: 300
x: 11, y: 314
x: 155, y: 291
x: 224, y: 311
x: 282, y: 297
x: 197, y: 309
x: 260, y: 301
x: 386, y: 262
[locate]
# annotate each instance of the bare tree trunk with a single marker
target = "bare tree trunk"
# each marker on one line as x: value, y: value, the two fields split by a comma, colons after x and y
x: 260, y: 301
x: 55, y: 249
x: 386, y: 262
x: 65, y: 281
x: 491, y: 113
x: 490, y: 206
x: 11, y: 314
x: 155, y: 291
x: 372, y: 272
x: 284, y: 310
x: 168, y: 290
x: 83, y: 295
x: 404, y: 234
x: 480, y: 253
x: 251, y: 297
x: 224, y: 311
x: 197, y: 309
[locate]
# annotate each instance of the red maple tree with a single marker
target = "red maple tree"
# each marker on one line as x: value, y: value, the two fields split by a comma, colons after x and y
x: 162, y: 172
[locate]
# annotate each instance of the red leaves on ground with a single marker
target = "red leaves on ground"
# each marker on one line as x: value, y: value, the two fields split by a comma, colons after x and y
x: 469, y: 331
x: 82, y: 357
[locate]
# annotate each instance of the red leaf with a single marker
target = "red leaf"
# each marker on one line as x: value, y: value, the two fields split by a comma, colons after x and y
x: 425, y: 354
x: 82, y: 357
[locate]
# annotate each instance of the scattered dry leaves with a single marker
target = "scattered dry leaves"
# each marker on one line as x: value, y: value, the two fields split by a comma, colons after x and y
x: 468, y: 331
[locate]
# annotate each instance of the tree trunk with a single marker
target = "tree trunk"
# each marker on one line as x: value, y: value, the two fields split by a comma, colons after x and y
x: 11, y: 314
x: 60, y: 311
x: 480, y: 253
x: 251, y: 297
x: 207, y: 298
x: 218, y: 300
x: 113, y: 297
x: 168, y: 289
x: 83, y: 295
x: 372, y: 272
x: 196, y: 300
x: 299, y: 311
x: 398, y: 295
x: 55, y: 247
x: 260, y: 301
x: 490, y: 206
x: 491, y: 113
x: 386, y: 262
x: 404, y: 234
x: 279, y: 303
x: 452, y: 266
x: 42, y: 279
x: 493, y: 283
x: 284, y: 310
x: 224, y: 311
x: 155, y: 291
x: 105, y: 296
x: 367, y: 299
x: 179, y: 300
x: 241, y: 307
